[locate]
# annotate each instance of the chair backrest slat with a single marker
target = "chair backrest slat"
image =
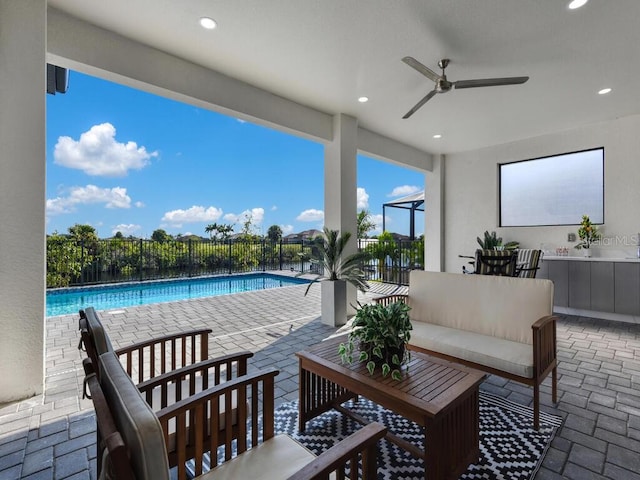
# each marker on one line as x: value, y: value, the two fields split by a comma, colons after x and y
x: 496, y: 262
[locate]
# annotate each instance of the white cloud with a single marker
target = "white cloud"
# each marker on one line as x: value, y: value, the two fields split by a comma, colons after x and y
x: 404, y: 190
x: 362, y: 199
x: 195, y: 214
x: 139, y: 205
x: 286, y: 229
x: 274, y: 208
x: 377, y: 219
x: 98, y: 153
x: 311, y: 215
x: 256, y: 214
x: 112, y: 198
x: 126, y: 229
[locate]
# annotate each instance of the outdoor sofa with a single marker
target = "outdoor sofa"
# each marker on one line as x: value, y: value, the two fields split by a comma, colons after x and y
x: 501, y: 325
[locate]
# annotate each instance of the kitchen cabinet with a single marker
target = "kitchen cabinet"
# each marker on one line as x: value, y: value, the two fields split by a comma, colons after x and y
x: 579, y: 287
x: 602, y: 286
x: 558, y: 273
x: 627, y: 288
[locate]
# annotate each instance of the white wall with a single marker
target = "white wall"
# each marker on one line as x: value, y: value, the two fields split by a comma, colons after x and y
x: 22, y: 196
x: 471, y: 191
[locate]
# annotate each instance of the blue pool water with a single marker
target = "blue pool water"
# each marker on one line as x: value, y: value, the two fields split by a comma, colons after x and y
x: 70, y: 300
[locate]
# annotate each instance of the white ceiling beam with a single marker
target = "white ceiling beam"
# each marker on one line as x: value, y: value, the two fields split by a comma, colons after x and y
x: 80, y: 46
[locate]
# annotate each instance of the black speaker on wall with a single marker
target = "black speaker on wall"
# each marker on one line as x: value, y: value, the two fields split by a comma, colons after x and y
x: 57, y: 79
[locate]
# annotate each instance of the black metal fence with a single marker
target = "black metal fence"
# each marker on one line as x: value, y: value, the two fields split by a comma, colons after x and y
x: 71, y: 263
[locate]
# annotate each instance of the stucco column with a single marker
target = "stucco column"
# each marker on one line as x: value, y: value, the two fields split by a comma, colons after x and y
x: 340, y: 191
x: 23, y: 27
x: 434, y: 216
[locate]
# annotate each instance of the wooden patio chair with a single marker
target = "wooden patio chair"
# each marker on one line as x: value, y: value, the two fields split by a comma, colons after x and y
x: 166, y: 369
x: 139, y: 443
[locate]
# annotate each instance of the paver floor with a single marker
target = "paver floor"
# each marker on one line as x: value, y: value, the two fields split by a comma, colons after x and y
x: 52, y: 436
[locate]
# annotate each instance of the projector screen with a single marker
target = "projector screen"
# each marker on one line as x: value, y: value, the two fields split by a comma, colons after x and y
x: 554, y: 190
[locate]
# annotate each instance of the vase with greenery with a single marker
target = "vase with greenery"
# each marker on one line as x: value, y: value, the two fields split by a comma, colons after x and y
x: 380, y: 333
x: 336, y: 270
x: 588, y: 234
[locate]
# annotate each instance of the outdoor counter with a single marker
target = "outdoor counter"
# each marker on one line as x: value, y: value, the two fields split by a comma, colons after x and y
x: 595, y: 286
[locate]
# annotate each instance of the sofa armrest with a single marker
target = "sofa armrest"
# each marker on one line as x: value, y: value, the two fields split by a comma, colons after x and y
x: 194, y: 378
x: 202, y: 409
x: 147, y: 359
x: 388, y: 299
x: 544, y: 344
x: 364, y: 442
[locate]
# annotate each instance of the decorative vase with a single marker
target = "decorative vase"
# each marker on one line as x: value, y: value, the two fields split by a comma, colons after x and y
x: 586, y: 252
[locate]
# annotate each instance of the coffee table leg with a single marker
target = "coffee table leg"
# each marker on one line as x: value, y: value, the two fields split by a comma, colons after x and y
x: 302, y: 394
x: 452, y: 441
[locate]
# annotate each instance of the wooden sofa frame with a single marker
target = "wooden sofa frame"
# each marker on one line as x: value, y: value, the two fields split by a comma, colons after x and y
x: 193, y: 443
x: 544, y: 357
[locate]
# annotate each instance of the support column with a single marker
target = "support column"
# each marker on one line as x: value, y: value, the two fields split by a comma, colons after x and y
x: 340, y: 199
x: 23, y: 30
x: 434, y: 216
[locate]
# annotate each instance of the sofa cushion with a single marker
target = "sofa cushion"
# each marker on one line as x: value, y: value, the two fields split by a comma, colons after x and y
x: 501, y: 307
x: 134, y: 419
x: 278, y: 457
x: 501, y: 354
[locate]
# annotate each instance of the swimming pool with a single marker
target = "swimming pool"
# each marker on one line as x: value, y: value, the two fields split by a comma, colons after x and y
x: 70, y: 300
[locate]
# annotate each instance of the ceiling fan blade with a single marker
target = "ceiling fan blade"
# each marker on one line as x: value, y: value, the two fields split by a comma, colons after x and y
x: 426, y: 71
x: 426, y: 98
x: 490, y: 82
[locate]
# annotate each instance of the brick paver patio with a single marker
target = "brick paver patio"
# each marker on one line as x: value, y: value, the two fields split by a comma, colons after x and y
x: 52, y: 436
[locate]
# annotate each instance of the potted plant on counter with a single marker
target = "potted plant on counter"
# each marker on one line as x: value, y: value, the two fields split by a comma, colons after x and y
x: 588, y: 234
x: 380, y: 333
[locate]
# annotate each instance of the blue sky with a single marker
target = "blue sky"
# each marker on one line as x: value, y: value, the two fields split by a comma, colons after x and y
x: 124, y: 160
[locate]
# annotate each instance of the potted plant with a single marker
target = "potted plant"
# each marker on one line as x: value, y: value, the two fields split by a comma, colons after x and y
x: 492, y: 242
x: 588, y: 234
x: 335, y: 271
x: 380, y: 333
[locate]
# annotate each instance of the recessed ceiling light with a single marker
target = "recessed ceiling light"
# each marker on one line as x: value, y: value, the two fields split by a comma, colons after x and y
x: 437, y: 135
x: 577, y: 4
x: 604, y: 91
x: 208, y: 23
x: 363, y: 99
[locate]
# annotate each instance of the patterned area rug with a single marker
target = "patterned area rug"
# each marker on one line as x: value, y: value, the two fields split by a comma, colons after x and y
x: 509, y: 446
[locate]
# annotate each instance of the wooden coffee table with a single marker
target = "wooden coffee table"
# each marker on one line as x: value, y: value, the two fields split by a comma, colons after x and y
x: 440, y: 396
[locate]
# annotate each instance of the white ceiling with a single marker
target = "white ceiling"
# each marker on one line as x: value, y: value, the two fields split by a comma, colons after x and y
x: 327, y: 53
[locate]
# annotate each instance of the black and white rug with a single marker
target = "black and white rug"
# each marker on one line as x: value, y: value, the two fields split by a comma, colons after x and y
x: 509, y: 446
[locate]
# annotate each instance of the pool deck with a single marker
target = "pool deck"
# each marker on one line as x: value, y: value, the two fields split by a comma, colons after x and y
x: 52, y: 436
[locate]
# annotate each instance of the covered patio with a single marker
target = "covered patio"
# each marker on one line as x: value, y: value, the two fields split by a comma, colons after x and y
x: 302, y: 71
x: 52, y: 435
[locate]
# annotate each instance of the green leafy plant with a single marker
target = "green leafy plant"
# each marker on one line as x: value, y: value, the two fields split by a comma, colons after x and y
x: 491, y: 241
x: 330, y: 260
x: 587, y: 233
x: 380, y: 333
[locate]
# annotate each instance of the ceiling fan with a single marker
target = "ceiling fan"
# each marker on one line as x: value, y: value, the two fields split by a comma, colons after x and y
x: 443, y: 85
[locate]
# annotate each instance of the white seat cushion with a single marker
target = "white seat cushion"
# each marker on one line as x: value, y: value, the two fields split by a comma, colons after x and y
x: 277, y: 458
x: 501, y: 354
